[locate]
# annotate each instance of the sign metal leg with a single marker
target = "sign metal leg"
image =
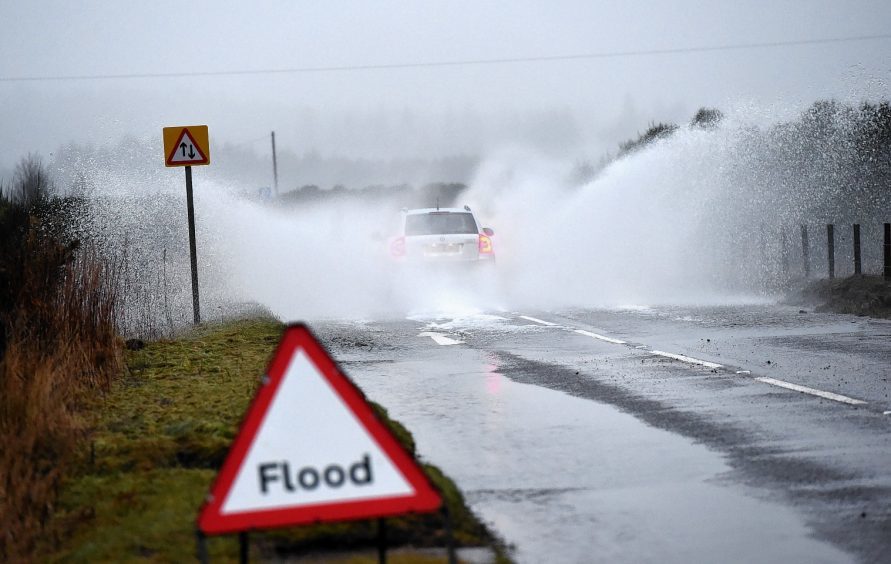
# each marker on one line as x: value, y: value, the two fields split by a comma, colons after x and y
x: 196, y: 307
x: 382, y: 541
x: 243, y: 547
x: 201, y: 545
x: 450, y: 537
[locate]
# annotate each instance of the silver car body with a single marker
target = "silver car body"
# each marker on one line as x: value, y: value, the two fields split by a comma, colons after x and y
x: 443, y: 235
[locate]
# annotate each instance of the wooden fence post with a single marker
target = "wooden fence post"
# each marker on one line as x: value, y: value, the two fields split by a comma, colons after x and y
x: 830, y: 249
x: 887, y: 251
x: 858, y: 265
x: 805, y: 252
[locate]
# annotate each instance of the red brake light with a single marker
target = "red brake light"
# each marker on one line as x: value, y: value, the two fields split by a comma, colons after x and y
x: 397, y: 247
x: 486, y: 245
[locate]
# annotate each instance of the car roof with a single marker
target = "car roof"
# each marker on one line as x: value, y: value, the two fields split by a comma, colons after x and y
x: 435, y: 210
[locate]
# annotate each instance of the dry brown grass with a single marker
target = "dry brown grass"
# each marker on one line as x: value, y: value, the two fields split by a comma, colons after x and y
x: 60, y: 346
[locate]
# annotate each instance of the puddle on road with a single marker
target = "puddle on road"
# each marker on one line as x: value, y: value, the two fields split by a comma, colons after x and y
x: 572, y: 480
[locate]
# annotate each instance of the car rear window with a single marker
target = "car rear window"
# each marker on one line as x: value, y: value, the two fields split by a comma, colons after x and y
x: 439, y: 223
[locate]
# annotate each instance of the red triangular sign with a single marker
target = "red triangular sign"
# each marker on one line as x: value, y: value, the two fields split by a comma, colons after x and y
x: 311, y: 449
x: 186, y: 151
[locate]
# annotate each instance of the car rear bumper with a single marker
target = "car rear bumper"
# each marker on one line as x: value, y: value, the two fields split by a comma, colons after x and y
x: 443, y: 264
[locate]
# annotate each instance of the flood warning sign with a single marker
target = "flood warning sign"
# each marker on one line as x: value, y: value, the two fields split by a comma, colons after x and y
x: 311, y: 449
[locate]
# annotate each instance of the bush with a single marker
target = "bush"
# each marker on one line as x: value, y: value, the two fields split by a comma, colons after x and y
x: 58, y: 344
x: 653, y: 133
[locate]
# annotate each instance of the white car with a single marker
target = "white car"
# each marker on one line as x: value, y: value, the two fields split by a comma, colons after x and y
x: 443, y: 236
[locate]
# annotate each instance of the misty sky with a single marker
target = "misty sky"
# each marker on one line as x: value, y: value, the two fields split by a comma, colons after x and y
x: 564, y: 106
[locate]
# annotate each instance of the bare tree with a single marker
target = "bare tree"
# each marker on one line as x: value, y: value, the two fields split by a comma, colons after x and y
x: 31, y: 182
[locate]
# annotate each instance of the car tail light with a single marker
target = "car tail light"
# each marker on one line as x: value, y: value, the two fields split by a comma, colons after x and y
x: 397, y: 247
x: 486, y: 245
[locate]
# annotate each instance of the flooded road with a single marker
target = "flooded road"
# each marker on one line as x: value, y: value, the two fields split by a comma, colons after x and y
x: 577, y: 440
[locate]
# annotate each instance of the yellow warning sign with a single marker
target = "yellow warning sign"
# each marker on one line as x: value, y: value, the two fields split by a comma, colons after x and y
x: 186, y: 145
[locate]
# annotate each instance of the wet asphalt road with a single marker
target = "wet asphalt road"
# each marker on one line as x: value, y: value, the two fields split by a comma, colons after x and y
x: 753, y: 433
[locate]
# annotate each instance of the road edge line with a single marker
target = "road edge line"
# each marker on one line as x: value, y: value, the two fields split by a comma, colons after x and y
x: 688, y: 359
x: 599, y: 337
x: 537, y: 320
x: 440, y: 339
x: 810, y: 391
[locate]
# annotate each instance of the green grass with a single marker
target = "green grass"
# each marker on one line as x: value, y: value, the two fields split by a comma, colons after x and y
x: 157, y: 439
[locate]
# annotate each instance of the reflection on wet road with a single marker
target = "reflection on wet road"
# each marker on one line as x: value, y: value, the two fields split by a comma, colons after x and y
x: 578, y: 448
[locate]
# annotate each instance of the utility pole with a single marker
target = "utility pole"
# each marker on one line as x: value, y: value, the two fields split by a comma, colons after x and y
x: 274, y: 166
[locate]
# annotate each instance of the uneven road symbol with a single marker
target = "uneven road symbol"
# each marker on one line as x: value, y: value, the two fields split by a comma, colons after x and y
x: 187, y: 145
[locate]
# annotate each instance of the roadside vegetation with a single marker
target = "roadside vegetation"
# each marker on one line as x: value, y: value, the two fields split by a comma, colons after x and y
x: 446, y: 194
x: 857, y: 295
x: 58, y: 350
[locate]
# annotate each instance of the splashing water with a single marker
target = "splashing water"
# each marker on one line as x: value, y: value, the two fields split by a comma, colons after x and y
x: 706, y: 215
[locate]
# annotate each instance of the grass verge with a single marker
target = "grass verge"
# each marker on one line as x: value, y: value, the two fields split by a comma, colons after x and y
x: 157, y: 439
x: 858, y: 295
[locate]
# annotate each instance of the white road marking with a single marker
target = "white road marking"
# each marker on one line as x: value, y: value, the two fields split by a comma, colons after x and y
x: 439, y: 338
x: 443, y: 340
x: 599, y: 337
x: 689, y: 359
x: 886, y: 413
x: 536, y: 320
x: 811, y: 391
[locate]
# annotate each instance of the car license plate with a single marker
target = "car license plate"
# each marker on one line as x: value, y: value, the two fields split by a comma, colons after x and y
x: 444, y: 249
